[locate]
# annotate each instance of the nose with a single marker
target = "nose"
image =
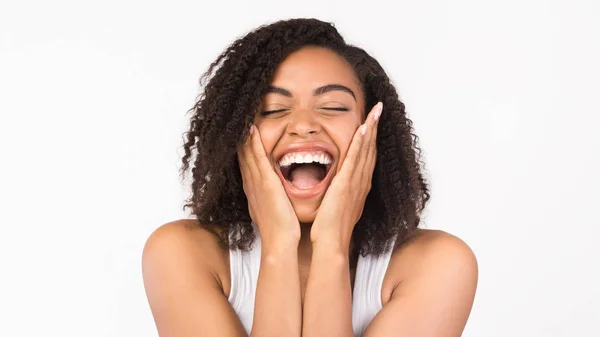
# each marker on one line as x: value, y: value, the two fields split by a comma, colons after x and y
x: 303, y: 123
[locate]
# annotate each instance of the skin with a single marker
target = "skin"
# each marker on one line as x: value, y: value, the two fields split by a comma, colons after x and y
x: 306, y: 117
x: 307, y: 262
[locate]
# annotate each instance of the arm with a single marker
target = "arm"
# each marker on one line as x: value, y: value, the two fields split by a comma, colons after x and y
x: 328, y: 300
x: 435, y: 297
x: 186, y: 296
x: 277, y: 307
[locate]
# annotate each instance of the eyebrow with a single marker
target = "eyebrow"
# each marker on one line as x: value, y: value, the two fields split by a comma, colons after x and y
x: 318, y: 91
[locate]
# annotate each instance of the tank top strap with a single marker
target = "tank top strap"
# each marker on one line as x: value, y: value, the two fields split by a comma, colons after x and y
x: 243, y: 270
x: 368, y: 281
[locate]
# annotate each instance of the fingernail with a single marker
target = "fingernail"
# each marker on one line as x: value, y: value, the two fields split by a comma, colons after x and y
x: 251, y: 128
x: 363, y: 129
x: 378, y: 110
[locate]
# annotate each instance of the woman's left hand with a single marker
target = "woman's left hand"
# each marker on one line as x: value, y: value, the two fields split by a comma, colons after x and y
x: 344, y: 201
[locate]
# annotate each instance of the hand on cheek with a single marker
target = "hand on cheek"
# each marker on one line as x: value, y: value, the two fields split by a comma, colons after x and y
x: 344, y: 201
x: 269, y: 206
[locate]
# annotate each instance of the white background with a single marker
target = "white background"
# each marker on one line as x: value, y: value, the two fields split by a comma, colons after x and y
x: 93, y: 95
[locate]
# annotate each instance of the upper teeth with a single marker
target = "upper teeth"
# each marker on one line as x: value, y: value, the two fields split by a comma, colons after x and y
x: 305, y: 157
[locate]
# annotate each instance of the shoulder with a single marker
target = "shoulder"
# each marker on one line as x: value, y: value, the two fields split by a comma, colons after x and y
x: 436, y: 252
x: 185, y: 245
x: 436, y: 246
x: 183, y: 235
x: 182, y: 266
x: 430, y: 282
x: 433, y: 258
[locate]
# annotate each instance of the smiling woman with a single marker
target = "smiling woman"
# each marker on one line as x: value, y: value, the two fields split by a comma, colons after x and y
x: 310, y: 108
x: 307, y: 190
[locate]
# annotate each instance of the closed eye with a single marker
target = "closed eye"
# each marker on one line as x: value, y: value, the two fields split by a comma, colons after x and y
x: 268, y: 112
x: 336, y: 109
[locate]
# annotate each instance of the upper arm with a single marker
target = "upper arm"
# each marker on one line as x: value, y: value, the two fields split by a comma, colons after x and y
x: 436, y: 296
x: 182, y: 290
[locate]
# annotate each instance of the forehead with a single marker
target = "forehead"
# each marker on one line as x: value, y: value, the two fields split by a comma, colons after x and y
x: 312, y: 67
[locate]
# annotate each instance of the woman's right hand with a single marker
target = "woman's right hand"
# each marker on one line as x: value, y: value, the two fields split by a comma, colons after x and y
x: 269, y: 206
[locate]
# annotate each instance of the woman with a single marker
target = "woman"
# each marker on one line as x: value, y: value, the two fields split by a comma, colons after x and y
x: 307, y: 190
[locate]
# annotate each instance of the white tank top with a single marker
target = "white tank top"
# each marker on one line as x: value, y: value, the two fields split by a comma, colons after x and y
x: 366, y: 297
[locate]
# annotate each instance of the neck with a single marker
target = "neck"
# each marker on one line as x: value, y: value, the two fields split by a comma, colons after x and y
x: 305, y: 246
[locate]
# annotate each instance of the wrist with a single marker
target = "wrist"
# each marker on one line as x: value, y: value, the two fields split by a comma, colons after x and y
x: 333, y: 236
x: 331, y: 245
x: 278, y: 232
x: 276, y: 245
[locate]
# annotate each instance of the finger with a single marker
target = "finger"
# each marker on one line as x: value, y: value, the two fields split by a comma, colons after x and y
x: 260, y: 156
x: 246, y: 159
x: 249, y: 153
x: 353, y: 151
x: 362, y: 159
x: 372, y: 146
x: 242, y: 150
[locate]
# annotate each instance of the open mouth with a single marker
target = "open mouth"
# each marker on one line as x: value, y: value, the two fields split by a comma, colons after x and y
x: 305, y: 170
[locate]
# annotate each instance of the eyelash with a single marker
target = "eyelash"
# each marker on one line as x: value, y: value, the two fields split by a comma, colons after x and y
x: 268, y: 112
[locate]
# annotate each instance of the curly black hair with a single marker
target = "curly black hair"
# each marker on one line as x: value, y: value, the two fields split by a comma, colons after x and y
x: 220, y: 120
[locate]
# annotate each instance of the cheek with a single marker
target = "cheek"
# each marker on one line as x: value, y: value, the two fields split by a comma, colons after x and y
x: 345, y: 139
x: 342, y: 135
x: 268, y: 136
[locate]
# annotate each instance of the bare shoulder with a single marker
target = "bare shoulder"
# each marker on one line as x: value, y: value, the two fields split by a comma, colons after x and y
x: 436, y: 244
x: 433, y: 256
x: 182, y: 267
x: 432, y: 250
x: 185, y: 234
x: 185, y: 243
x: 430, y: 282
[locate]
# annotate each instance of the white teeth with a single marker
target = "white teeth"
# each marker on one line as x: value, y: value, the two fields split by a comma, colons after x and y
x: 302, y: 158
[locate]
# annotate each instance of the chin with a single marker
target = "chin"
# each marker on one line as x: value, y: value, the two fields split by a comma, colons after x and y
x: 309, y: 219
x: 305, y: 213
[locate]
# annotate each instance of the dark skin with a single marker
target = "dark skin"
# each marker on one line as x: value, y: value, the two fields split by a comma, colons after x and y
x: 307, y: 261
x: 311, y: 104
